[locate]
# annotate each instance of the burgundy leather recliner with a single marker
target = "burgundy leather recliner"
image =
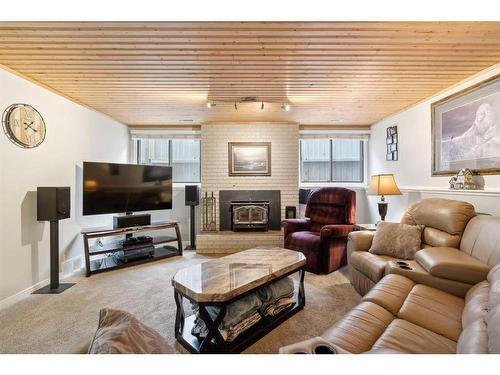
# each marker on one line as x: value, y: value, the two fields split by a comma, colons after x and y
x: 322, y: 236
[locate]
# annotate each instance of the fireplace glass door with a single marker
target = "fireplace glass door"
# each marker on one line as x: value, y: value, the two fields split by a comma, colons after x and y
x: 250, y: 215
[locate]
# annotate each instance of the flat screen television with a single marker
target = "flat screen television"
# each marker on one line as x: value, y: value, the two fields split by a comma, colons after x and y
x: 124, y: 188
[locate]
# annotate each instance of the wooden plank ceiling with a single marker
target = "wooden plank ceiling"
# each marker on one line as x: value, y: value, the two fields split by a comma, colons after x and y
x: 163, y: 73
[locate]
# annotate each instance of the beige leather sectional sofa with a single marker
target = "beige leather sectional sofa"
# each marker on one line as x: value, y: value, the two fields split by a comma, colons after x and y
x: 460, y: 247
x: 446, y: 300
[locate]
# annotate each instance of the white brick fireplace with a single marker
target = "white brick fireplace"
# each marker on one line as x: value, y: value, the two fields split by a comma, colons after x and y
x: 284, y: 140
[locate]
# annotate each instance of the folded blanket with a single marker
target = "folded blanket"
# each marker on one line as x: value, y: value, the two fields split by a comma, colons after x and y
x: 271, y: 293
x: 237, y: 311
x: 244, y: 313
x: 229, y: 334
x: 279, y: 305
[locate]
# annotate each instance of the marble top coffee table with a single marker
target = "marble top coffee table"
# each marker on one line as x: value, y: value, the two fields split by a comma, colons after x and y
x: 221, y: 281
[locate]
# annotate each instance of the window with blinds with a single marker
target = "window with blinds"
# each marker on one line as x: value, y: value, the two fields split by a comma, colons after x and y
x: 331, y: 160
x: 182, y: 154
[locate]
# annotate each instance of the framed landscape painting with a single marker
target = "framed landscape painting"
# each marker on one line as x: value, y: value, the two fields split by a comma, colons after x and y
x: 466, y: 130
x: 249, y: 159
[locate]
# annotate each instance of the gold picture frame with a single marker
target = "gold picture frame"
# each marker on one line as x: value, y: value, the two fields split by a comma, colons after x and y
x: 456, y: 125
x: 249, y: 158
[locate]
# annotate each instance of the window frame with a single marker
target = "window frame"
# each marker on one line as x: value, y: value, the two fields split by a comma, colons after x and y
x: 170, y: 148
x: 330, y: 182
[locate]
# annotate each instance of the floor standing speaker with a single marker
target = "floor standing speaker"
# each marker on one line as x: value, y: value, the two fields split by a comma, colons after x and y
x: 192, y: 199
x: 53, y: 204
x: 303, y: 195
x: 192, y: 195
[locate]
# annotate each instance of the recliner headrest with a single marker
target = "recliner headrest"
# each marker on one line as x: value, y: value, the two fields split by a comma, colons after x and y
x: 448, y: 215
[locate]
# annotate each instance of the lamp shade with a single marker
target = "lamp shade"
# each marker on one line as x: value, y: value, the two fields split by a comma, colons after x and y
x: 383, y: 184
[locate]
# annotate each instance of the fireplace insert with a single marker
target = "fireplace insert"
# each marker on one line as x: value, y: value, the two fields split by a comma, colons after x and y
x: 270, y: 198
x: 249, y: 215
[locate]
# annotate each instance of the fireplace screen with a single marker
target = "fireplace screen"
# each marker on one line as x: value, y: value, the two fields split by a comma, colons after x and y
x: 250, y: 215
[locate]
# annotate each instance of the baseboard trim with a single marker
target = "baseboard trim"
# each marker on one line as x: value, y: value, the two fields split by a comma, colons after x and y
x: 19, y: 296
x: 71, y: 266
x: 9, y: 301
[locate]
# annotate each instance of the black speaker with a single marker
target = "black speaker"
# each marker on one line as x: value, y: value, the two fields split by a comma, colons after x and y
x: 303, y: 194
x: 192, y: 198
x: 53, y: 203
x: 192, y: 195
x: 127, y: 221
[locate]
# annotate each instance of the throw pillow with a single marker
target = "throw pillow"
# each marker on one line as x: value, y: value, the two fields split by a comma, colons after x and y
x: 120, y: 333
x: 397, y: 240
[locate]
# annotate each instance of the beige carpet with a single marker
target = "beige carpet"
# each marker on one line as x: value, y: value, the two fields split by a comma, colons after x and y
x: 59, y: 323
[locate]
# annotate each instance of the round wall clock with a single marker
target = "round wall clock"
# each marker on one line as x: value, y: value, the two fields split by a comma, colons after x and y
x: 23, y: 125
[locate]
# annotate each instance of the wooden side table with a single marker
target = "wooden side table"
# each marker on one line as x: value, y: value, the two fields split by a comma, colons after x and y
x: 370, y: 227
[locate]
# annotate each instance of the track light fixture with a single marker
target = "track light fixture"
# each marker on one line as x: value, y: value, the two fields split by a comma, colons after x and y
x: 284, y: 106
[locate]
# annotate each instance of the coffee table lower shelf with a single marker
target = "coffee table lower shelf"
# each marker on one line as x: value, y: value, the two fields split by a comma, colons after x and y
x: 194, y: 344
x: 215, y: 285
x: 243, y: 341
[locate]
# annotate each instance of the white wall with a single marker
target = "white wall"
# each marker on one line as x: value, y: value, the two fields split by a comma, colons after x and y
x: 179, y: 212
x: 413, y: 169
x: 74, y: 134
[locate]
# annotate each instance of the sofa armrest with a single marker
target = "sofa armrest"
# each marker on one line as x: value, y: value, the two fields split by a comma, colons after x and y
x: 295, y: 225
x: 360, y: 240
x: 383, y: 351
x: 452, y: 264
x: 315, y: 345
x: 336, y: 231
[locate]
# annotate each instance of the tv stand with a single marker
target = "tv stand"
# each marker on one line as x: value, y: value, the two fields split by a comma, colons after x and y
x: 110, y: 256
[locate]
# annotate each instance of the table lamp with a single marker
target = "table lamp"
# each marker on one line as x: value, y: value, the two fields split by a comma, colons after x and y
x: 383, y: 184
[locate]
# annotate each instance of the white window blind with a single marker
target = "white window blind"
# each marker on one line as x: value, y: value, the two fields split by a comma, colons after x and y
x: 332, y: 156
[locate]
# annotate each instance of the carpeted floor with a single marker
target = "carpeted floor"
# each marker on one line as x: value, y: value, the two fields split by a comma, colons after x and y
x: 60, y: 323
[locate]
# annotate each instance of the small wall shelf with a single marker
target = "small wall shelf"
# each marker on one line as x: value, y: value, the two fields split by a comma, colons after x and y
x: 437, y: 190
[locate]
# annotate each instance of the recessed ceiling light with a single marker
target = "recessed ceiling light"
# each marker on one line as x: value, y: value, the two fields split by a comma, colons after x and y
x: 211, y: 104
x: 286, y: 107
